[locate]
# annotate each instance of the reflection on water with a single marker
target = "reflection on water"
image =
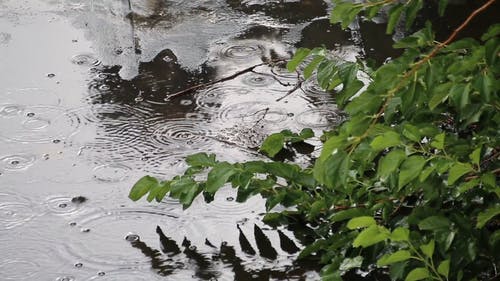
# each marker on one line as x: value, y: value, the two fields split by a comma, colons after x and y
x: 72, y: 144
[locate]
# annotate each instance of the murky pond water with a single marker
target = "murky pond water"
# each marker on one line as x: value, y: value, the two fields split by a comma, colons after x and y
x: 86, y: 108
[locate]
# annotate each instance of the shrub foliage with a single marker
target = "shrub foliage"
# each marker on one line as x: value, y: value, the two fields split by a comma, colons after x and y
x: 408, y: 184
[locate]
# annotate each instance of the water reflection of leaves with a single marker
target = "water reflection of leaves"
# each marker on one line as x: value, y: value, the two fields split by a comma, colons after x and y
x: 172, y: 257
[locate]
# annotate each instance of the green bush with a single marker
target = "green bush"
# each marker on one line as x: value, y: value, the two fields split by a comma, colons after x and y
x: 408, y: 185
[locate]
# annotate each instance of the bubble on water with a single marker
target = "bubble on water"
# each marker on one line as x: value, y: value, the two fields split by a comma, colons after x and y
x: 30, y: 114
x: 186, y: 102
x: 85, y: 230
x: 78, y: 265
x: 65, y: 278
x: 85, y: 60
x: 51, y: 75
x: 230, y: 198
x: 132, y: 237
x: 101, y: 273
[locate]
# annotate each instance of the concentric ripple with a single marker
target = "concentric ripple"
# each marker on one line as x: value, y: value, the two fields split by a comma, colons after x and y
x: 258, y: 80
x: 27, y: 96
x: 38, y: 124
x: 213, y: 98
x: 251, y: 112
x: 180, y: 132
x: 85, y: 60
x: 29, y: 260
x: 312, y: 88
x: 102, y: 242
x: 126, y: 275
x: 62, y: 205
x: 17, y: 162
x: 114, y: 172
x: 15, y: 210
x: 241, y: 51
x: 320, y: 118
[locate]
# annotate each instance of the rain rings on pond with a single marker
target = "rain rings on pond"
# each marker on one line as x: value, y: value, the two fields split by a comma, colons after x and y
x: 213, y: 98
x: 33, y: 259
x: 251, y: 112
x: 39, y: 124
x: 253, y: 79
x: 241, y: 50
x: 62, y: 205
x: 101, y: 242
x: 114, y: 172
x: 180, y: 133
x: 17, y: 162
x: 24, y: 97
x: 320, y: 118
x: 15, y: 210
x: 127, y: 275
x: 85, y: 60
x: 311, y: 88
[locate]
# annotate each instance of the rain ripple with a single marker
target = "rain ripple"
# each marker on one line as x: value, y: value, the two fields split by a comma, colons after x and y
x: 85, y: 60
x: 320, y: 118
x: 37, y: 124
x: 241, y: 51
x: 15, y: 210
x: 17, y: 162
x: 181, y: 132
x: 20, y: 98
x: 62, y: 205
x: 127, y: 275
x: 114, y: 172
x: 102, y: 241
x: 213, y: 98
x: 251, y: 112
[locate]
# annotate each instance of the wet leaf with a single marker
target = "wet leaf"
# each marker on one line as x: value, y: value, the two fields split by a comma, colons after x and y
x: 428, y: 249
x: 388, y: 139
x: 218, y: 176
x: 390, y: 162
x: 361, y: 222
x: 457, y: 171
x: 418, y: 274
x: 398, y: 256
x: 298, y: 57
x: 141, y: 187
x: 400, y: 234
x: 350, y: 263
x: 442, y: 7
x: 273, y: 144
x: 201, y: 159
x: 348, y: 214
x: 487, y: 215
x: 444, y: 268
x: 410, y: 170
x: 394, y: 14
x: 434, y: 223
x: 370, y: 236
x: 438, y: 141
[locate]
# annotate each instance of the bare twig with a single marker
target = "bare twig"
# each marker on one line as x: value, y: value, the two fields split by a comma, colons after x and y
x: 295, y: 87
x: 223, y: 79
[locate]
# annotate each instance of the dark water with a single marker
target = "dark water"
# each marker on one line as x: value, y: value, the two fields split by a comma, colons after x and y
x: 85, y: 111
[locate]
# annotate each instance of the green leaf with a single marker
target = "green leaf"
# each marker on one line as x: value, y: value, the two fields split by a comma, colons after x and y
x: 218, y: 176
x: 493, y: 31
x: 201, y: 159
x: 442, y: 7
x: 398, y: 256
x: 273, y: 144
x: 390, y: 162
x: 418, y: 273
x: 458, y: 170
x: 361, y: 222
x: 308, y: 71
x: 434, y: 223
x: 348, y: 214
x: 444, y: 268
x: 491, y: 50
x: 400, y: 234
x: 387, y: 139
x: 306, y: 133
x: 350, y: 263
x: 428, y: 249
x: 438, y: 141
x: 475, y: 156
x: 142, y: 186
x: 410, y: 169
x: 394, y: 14
x: 440, y: 94
x: 411, y: 12
x: 370, y: 236
x: 411, y: 132
x: 298, y: 57
x: 487, y: 215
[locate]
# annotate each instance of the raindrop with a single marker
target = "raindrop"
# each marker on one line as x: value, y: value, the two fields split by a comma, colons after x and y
x: 63, y: 205
x: 51, y: 75
x: 85, y: 230
x: 186, y: 102
x: 72, y: 223
x: 78, y: 265
x: 132, y: 237
x: 290, y: 114
x: 17, y: 162
x: 224, y: 243
x: 56, y: 141
x: 30, y: 114
x: 230, y: 198
x: 101, y: 273
x: 78, y: 199
x: 104, y: 87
